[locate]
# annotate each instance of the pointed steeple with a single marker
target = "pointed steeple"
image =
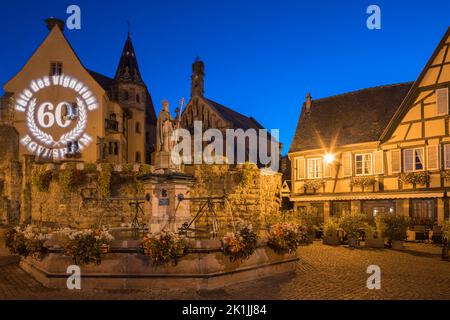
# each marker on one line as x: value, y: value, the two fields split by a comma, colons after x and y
x: 128, y: 69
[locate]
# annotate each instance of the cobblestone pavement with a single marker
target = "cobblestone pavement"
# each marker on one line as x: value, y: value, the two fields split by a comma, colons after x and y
x: 323, y: 272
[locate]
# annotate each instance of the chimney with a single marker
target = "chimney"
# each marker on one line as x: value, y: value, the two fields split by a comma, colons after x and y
x: 308, y: 102
x: 52, y: 22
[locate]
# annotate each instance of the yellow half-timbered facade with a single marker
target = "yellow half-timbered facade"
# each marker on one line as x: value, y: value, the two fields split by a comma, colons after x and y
x: 378, y: 150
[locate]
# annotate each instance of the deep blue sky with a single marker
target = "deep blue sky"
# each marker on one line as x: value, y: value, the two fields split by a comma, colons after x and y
x: 261, y: 57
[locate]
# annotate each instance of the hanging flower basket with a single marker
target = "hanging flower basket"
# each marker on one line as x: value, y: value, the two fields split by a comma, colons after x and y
x: 415, y: 178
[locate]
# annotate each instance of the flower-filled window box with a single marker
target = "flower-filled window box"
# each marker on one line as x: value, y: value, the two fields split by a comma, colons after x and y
x: 362, y: 182
x: 415, y: 178
x: 314, y: 184
x: 445, y: 175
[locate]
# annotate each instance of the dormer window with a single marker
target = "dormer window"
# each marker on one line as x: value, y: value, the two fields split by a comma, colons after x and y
x: 56, y: 68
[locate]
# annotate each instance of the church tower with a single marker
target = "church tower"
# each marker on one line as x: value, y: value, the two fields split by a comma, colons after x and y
x: 197, y: 78
x: 139, y: 119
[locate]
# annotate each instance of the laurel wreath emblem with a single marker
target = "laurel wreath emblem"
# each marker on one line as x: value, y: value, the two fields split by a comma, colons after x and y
x: 33, y: 127
x: 46, y: 138
x: 76, y: 132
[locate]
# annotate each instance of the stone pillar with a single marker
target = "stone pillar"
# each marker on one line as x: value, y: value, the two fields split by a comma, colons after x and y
x: 165, y: 209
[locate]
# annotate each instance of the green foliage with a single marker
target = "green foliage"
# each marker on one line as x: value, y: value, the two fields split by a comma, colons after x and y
x: 29, y: 241
x: 90, y: 167
x: 241, y: 244
x: 286, y: 237
x: 70, y: 178
x: 83, y: 247
x: 331, y: 227
x: 145, y: 169
x: 104, y: 180
x: 415, y: 177
x: 127, y: 168
x: 165, y: 247
x: 393, y: 227
x: 352, y: 223
x: 41, y: 178
x: 248, y: 174
x: 446, y: 230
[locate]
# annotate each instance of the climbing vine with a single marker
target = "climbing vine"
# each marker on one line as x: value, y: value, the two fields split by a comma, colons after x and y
x: 104, y: 180
x: 70, y: 178
x: 41, y: 178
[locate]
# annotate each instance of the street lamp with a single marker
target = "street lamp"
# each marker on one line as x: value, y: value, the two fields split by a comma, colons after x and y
x: 329, y: 158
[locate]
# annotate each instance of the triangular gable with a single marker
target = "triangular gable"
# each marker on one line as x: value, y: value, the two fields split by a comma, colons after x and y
x: 436, y: 72
x: 55, y: 47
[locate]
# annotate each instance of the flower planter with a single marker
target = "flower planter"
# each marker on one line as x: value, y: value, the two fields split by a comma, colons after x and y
x: 397, y: 244
x: 331, y: 240
x: 374, y: 243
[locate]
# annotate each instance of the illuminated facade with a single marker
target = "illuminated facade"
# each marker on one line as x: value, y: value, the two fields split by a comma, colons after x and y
x: 378, y: 150
x: 62, y: 110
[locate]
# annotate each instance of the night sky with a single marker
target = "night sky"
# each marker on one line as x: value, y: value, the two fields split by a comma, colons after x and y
x: 261, y: 57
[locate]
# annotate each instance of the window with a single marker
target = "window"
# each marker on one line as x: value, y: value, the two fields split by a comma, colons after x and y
x: 125, y: 95
x: 423, y: 212
x: 442, y: 101
x: 138, y: 99
x: 339, y: 208
x: 315, y: 168
x: 56, y: 68
x: 363, y: 164
x: 138, y: 127
x: 147, y: 138
x: 413, y: 160
x: 116, y: 148
x: 138, y: 157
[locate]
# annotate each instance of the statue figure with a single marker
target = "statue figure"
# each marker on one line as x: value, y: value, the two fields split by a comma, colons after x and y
x: 164, y: 129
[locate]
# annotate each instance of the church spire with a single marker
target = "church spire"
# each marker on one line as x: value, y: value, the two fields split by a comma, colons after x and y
x: 128, y: 69
x: 197, y: 78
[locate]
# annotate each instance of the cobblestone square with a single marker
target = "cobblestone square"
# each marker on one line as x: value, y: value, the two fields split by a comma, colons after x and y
x: 324, y: 272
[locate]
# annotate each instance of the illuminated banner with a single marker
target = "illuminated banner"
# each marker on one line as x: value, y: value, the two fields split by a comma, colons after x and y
x: 56, y: 129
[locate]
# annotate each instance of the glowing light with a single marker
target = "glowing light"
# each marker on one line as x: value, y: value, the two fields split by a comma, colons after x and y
x: 329, y: 158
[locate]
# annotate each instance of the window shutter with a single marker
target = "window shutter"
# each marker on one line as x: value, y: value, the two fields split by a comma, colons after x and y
x: 320, y: 168
x: 433, y: 157
x: 442, y: 101
x: 300, y: 168
x: 378, y: 162
x: 396, y: 161
x: 327, y: 170
x: 408, y: 161
x: 347, y: 164
x: 447, y: 156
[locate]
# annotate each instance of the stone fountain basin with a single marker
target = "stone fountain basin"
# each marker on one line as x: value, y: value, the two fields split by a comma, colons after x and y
x: 205, y: 267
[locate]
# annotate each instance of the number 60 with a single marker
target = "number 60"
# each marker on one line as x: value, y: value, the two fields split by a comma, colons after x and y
x: 46, y: 119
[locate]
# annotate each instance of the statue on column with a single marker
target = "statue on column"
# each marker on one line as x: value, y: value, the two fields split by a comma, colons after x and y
x: 165, y: 127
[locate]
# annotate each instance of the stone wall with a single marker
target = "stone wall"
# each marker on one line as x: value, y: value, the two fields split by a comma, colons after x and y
x: 252, y: 193
x: 85, y: 206
x: 10, y: 176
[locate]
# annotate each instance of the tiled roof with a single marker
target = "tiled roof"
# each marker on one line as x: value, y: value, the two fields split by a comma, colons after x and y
x: 238, y: 120
x: 105, y: 82
x: 355, y: 117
